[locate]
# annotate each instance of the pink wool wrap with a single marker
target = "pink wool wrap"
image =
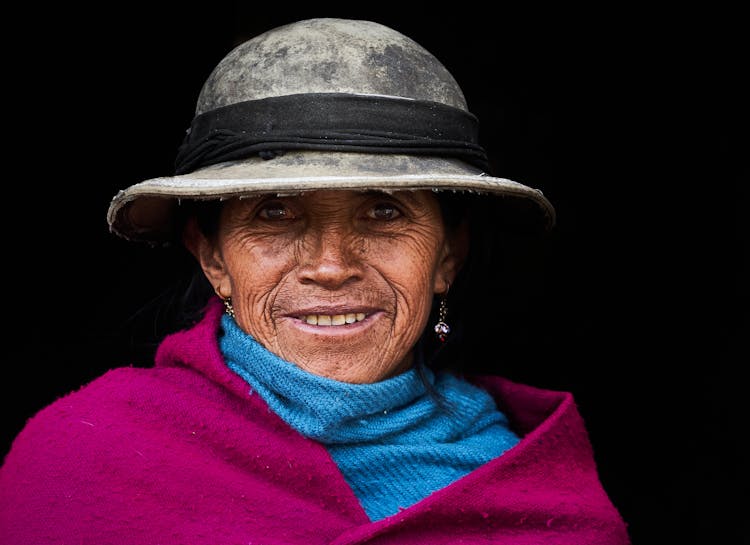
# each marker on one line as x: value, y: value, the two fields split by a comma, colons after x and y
x: 184, y: 454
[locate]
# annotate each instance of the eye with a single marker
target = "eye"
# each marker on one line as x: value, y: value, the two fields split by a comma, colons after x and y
x: 274, y: 210
x: 384, y: 211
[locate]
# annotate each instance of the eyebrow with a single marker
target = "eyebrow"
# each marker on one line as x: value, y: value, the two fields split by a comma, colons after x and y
x: 406, y: 194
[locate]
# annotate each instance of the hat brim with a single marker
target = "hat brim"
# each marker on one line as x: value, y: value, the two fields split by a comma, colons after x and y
x: 147, y: 210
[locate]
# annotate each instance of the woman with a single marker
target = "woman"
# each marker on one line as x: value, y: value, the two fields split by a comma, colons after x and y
x: 333, y: 192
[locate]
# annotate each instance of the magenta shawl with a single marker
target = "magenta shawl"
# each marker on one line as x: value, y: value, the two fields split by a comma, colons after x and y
x: 182, y: 454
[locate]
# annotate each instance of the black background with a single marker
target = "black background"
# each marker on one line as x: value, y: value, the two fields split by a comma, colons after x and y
x: 633, y: 123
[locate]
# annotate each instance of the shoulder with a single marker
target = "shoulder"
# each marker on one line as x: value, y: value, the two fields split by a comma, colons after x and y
x: 528, y: 407
x: 100, y: 400
x: 106, y: 411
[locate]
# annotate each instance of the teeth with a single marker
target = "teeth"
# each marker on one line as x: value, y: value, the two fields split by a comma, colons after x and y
x: 336, y: 319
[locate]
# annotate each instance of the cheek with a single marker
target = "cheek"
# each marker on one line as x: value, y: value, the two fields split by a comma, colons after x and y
x: 410, y: 265
x: 415, y: 256
x: 256, y: 270
x: 254, y: 263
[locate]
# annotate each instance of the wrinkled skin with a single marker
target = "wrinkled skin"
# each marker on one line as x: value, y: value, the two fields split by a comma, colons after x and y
x: 332, y: 253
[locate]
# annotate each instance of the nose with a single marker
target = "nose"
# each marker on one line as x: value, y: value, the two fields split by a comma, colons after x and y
x: 328, y: 257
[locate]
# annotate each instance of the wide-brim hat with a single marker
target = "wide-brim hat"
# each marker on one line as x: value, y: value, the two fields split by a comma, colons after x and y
x: 324, y: 104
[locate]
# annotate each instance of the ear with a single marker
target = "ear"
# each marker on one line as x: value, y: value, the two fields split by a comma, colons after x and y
x: 455, y: 250
x: 208, y: 254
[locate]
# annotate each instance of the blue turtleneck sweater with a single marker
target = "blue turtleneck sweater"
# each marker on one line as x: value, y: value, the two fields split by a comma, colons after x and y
x: 394, y: 441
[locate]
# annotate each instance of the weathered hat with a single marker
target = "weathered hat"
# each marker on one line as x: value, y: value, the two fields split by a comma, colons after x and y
x: 323, y: 104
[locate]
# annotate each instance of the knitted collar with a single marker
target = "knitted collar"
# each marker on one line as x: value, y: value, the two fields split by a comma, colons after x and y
x: 324, y: 409
x: 394, y: 442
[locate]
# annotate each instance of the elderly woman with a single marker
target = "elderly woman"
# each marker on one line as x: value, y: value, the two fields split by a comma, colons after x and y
x: 331, y: 189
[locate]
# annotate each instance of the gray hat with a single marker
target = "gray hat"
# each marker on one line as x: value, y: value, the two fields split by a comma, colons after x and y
x: 322, y: 104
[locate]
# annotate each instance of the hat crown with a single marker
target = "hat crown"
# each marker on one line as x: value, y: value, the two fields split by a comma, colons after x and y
x: 328, y: 55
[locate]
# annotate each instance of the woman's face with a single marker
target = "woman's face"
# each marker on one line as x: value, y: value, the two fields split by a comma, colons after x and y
x: 338, y: 282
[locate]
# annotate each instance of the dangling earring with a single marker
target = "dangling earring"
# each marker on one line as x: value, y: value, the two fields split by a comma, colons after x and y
x: 228, y: 308
x: 442, y: 330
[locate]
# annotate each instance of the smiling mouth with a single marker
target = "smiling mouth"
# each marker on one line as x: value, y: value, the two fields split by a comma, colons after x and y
x: 333, y: 319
